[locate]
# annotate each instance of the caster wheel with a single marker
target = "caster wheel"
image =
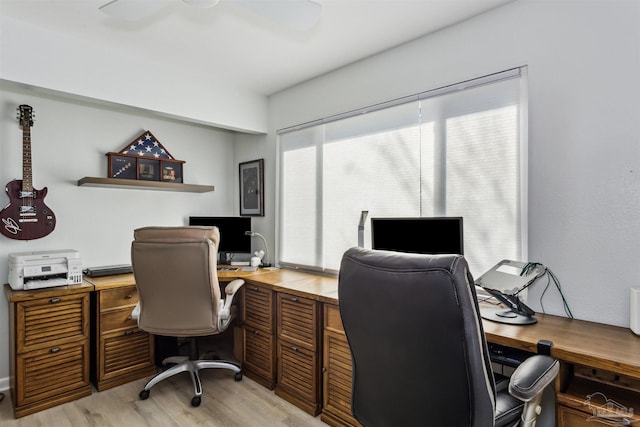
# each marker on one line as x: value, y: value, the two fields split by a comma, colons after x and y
x: 144, y: 395
x: 238, y: 376
x: 196, y: 401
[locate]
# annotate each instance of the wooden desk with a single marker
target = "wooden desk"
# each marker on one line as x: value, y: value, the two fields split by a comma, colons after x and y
x: 594, y: 357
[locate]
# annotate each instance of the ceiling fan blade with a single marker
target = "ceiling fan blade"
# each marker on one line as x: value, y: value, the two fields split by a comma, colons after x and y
x: 300, y: 15
x: 133, y: 10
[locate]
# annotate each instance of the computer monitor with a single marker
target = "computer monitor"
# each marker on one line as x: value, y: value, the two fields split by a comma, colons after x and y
x: 422, y: 235
x: 505, y: 281
x: 232, y: 233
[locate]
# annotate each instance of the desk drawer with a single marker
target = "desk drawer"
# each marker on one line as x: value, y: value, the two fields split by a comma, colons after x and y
x: 52, y: 371
x: 259, y: 354
x: 46, y: 322
x: 298, y: 372
x: 118, y: 297
x: 117, y: 319
x: 568, y: 417
x: 332, y: 319
x: 298, y: 321
x: 124, y: 352
x: 258, y: 307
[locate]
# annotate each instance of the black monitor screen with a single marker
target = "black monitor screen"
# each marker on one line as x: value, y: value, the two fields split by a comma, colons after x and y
x: 232, y: 229
x: 422, y: 235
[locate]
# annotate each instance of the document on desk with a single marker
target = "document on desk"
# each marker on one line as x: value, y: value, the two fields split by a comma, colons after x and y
x: 249, y: 268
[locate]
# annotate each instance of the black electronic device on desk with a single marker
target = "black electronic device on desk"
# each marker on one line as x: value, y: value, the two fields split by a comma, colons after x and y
x: 504, y: 282
x: 107, y: 270
x: 233, y: 239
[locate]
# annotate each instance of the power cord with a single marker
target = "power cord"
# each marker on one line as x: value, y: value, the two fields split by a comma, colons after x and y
x: 556, y: 282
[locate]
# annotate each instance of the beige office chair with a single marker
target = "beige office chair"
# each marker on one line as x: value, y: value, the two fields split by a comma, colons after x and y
x: 418, y: 348
x: 179, y: 295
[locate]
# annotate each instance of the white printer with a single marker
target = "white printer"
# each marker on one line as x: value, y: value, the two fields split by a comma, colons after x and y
x: 44, y: 269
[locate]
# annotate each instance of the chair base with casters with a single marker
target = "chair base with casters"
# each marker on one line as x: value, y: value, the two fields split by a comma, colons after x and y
x: 192, y: 365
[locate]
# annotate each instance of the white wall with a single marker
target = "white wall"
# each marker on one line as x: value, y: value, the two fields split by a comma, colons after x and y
x: 69, y: 141
x: 41, y: 58
x: 584, y: 170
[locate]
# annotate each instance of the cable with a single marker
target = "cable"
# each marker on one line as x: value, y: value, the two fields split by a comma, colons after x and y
x: 551, y: 276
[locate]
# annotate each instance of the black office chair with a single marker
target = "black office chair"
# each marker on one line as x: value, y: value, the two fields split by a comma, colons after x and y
x: 418, y: 347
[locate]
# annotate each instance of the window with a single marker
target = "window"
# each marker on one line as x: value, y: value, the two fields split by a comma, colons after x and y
x: 453, y: 151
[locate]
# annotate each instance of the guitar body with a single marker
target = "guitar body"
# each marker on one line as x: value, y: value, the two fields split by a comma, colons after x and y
x: 26, y: 218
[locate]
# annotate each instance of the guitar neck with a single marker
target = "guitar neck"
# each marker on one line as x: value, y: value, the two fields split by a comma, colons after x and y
x: 27, y: 179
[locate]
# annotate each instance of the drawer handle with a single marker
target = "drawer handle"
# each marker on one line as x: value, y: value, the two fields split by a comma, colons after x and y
x: 294, y: 348
x: 255, y: 288
x: 294, y: 299
x: 54, y: 300
x: 130, y: 318
x: 54, y: 350
x: 129, y: 296
x: 256, y: 332
x: 129, y: 332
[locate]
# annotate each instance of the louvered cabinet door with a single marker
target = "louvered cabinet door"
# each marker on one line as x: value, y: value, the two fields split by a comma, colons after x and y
x: 298, y: 344
x: 123, y: 352
x: 258, y: 335
x: 49, y: 347
x: 52, y: 371
x: 257, y: 308
x: 53, y: 320
x: 336, y: 371
x: 259, y: 355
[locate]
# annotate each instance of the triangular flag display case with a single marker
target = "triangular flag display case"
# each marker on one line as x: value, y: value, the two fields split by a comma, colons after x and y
x: 145, y: 159
x: 144, y: 164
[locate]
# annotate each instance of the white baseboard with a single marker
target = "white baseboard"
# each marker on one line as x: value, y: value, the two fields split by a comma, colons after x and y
x: 4, y: 384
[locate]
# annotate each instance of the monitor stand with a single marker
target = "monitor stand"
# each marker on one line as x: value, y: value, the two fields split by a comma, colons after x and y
x: 509, y: 316
x: 516, y: 313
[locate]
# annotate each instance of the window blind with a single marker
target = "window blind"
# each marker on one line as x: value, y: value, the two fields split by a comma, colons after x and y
x: 454, y: 151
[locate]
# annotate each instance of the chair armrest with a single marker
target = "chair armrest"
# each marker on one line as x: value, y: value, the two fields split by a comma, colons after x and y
x: 224, y: 312
x: 233, y: 287
x: 532, y: 376
x: 135, y: 313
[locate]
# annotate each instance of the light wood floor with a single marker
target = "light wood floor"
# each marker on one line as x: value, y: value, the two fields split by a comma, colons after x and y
x: 225, y: 402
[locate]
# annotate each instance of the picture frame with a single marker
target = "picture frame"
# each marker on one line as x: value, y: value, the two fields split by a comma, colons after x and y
x: 122, y: 167
x: 252, y: 188
x: 171, y: 171
x: 148, y: 170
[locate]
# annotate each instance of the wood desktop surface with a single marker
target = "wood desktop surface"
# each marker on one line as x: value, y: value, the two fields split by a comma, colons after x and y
x: 597, y: 345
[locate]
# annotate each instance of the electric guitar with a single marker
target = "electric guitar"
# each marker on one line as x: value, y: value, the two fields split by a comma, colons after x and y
x: 26, y: 217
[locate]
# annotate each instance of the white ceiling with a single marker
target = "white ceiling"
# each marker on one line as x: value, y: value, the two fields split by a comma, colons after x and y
x: 245, y: 49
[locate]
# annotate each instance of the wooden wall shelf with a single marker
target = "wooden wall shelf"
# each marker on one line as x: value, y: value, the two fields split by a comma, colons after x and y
x: 90, y: 181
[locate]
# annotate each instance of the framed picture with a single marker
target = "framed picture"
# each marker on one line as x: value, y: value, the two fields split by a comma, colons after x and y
x: 148, y: 170
x: 171, y: 171
x: 252, y: 188
x: 122, y: 167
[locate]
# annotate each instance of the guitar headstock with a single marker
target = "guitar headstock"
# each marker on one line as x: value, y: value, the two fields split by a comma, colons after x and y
x: 25, y: 116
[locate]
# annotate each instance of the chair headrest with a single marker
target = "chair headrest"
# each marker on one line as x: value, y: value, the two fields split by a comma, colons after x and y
x: 395, y: 261
x: 177, y: 234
